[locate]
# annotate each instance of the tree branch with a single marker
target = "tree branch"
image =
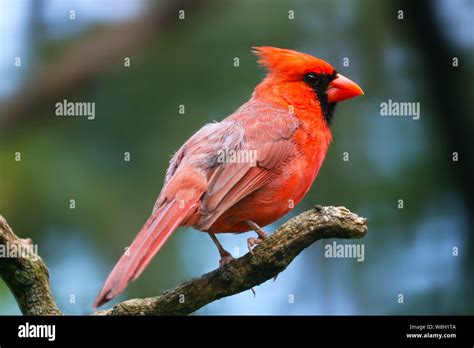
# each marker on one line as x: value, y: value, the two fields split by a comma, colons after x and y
x: 25, y: 273
x: 28, y: 280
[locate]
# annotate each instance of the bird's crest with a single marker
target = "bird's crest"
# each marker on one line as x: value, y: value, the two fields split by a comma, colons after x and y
x: 286, y: 62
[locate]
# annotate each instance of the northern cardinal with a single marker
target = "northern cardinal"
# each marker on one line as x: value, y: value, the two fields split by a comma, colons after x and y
x: 284, y: 128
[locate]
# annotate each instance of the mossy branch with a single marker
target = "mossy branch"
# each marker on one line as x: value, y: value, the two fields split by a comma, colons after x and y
x: 27, y: 278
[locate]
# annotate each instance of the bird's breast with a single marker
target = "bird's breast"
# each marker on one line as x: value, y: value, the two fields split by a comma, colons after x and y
x: 287, y: 187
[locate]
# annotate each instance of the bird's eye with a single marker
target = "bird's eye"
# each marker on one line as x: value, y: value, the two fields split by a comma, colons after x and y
x: 311, y: 79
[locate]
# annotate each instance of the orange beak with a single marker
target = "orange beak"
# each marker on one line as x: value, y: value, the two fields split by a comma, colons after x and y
x: 341, y: 88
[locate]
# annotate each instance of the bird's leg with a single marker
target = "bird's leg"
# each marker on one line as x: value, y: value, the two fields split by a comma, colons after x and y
x: 226, y: 257
x: 261, y: 235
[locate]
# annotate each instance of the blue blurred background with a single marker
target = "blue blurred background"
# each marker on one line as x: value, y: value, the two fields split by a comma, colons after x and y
x: 190, y: 62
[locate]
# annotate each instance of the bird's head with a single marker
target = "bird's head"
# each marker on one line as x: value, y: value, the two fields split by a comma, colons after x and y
x: 301, y: 77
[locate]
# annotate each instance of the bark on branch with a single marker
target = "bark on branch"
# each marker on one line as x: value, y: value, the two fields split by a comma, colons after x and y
x: 28, y: 279
x: 25, y: 274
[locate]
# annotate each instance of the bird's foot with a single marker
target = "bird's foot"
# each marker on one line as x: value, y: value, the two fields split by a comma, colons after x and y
x: 226, y: 258
x: 252, y: 241
x: 260, y: 232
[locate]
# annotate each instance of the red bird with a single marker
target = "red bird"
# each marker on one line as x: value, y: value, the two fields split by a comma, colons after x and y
x: 249, y: 169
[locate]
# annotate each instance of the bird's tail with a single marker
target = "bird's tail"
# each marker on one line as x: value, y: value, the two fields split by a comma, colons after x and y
x: 159, y: 227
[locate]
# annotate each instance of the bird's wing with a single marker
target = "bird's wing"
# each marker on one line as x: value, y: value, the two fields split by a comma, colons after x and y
x: 267, y: 138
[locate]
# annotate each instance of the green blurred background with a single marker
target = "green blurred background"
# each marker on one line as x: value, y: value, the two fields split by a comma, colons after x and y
x: 190, y: 62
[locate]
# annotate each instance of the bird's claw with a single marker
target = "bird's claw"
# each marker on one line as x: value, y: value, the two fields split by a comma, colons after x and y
x: 225, y: 259
x: 251, y: 242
